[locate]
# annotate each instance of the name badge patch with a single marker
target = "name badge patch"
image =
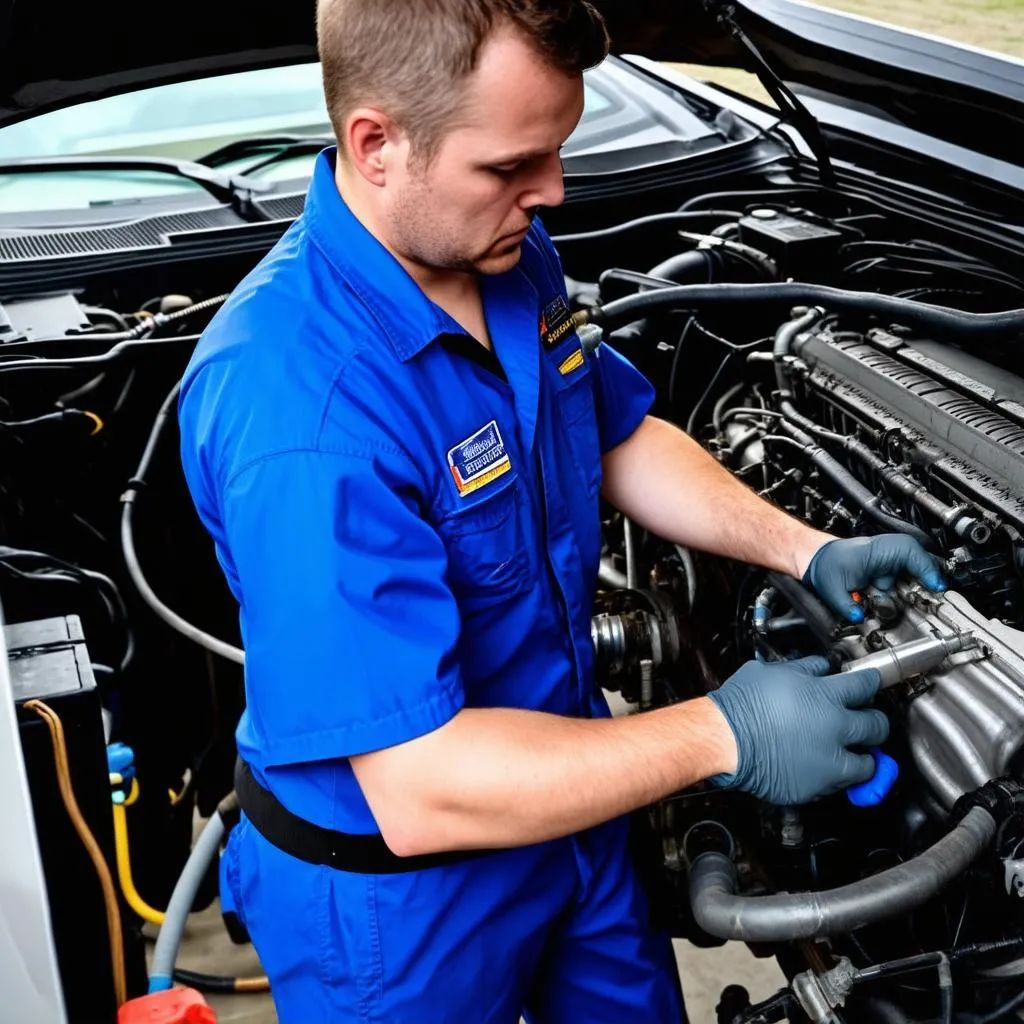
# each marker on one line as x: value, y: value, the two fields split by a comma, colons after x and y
x: 555, y: 321
x: 479, y: 459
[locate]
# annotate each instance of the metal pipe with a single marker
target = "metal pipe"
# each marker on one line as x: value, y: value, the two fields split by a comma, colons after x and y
x: 690, y: 571
x: 784, y: 339
x: 810, y: 915
x: 627, y: 538
x: 609, y: 576
x: 913, y: 658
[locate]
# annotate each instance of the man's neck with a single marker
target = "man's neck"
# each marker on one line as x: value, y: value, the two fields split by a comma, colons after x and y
x: 456, y: 292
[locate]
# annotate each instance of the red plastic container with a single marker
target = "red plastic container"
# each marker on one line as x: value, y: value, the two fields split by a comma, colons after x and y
x: 175, y: 1006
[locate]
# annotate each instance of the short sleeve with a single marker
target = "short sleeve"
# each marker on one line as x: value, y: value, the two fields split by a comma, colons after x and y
x: 348, y: 624
x: 622, y: 396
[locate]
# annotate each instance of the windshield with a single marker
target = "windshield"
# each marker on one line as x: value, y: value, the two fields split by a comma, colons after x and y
x: 185, y: 120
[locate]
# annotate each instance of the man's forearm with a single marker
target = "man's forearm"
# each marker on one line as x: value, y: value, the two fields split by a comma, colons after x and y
x: 664, y: 481
x: 501, y: 777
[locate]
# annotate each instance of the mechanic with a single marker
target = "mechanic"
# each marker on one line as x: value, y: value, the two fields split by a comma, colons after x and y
x: 398, y: 445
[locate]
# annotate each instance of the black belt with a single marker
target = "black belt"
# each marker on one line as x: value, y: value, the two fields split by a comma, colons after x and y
x: 346, y: 851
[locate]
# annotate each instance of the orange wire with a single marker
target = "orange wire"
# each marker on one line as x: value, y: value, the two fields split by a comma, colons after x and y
x: 258, y: 984
x: 60, y: 757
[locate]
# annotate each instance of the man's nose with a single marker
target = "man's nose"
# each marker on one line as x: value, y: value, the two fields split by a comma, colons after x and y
x: 547, y: 188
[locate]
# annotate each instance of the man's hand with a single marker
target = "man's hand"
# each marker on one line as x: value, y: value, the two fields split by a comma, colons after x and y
x: 840, y: 567
x: 793, y: 726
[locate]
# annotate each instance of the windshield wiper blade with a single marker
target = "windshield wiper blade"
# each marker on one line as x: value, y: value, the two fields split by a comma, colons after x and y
x: 236, y: 190
x: 277, y: 147
x: 789, y: 104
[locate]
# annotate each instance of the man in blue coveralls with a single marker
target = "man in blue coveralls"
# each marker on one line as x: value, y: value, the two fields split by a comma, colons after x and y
x: 398, y: 445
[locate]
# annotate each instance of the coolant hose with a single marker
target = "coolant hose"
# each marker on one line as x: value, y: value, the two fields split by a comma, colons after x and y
x: 204, y: 853
x: 784, y: 339
x: 922, y: 315
x: 813, y: 915
x: 683, y: 265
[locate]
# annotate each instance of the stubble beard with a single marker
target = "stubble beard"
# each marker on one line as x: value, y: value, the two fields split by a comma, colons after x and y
x: 424, y: 240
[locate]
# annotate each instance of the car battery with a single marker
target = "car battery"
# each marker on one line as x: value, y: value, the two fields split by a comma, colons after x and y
x: 49, y: 661
x: 798, y: 246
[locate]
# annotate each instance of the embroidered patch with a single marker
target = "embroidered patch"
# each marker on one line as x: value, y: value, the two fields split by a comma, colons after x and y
x: 574, y: 362
x: 555, y: 321
x: 479, y: 459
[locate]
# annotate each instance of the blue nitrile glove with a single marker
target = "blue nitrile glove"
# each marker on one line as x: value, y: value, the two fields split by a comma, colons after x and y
x: 793, y: 725
x: 842, y: 567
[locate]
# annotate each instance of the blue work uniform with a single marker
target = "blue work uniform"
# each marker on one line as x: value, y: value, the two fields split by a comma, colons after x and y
x: 411, y: 526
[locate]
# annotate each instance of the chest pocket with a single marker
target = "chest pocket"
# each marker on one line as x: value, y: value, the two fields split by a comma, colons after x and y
x: 488, y: 559
x: 575, y: 400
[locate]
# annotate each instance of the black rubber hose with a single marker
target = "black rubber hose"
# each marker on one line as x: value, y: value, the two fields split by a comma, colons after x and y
x: 788, y: 917
x: 818, y: 619
x: 935, y: 319
x: 886, y: 1012
x: 1000, y: 1012
x: 682, y: 267
x: 220, y: 983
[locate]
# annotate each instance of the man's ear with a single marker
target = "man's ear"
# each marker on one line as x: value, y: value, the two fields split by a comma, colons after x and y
x: 372, y: 141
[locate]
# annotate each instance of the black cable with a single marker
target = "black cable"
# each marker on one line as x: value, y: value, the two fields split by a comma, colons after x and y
x: 939, y: 319
x: 676, y: 360
x: 691, y: 422
x: 1001, y: 1011
x: 103, y: 585
x: 43, y: 363
x: 219, y: 983
x: 676, y: 216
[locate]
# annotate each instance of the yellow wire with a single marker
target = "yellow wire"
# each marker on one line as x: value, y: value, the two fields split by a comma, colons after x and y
x: 133, y: 793
x: 124, y: 869
x: 97, y: 422
x: 60, y: 758
x: 176, y: 798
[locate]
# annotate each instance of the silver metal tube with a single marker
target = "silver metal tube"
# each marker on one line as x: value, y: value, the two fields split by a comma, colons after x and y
x: 609, y: 576
x: 627, y: 536
x: 690, y: 571
x: 913, y: 658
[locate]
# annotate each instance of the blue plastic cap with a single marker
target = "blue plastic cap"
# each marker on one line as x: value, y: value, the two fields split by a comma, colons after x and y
x: 159, y: 983
x: 876, y: 789
x: 121, y: 759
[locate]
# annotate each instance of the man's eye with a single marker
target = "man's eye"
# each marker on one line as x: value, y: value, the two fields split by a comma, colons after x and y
x: 505, y: 170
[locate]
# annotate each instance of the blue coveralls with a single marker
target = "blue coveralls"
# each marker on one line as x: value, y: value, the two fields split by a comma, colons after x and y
x: 408, y: 533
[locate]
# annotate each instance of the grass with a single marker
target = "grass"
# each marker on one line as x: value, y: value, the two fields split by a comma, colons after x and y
x: 996, y: 25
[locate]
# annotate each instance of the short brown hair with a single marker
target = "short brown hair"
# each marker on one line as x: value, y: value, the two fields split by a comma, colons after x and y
x: 410, y: 56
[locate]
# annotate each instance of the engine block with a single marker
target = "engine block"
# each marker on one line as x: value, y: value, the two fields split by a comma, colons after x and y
x: 965, y: 719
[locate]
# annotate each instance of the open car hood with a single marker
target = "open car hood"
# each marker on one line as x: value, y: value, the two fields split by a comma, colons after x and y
x: 54, y: 53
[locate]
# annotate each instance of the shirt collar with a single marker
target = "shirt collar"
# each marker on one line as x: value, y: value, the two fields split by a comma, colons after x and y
x: 407, y: 318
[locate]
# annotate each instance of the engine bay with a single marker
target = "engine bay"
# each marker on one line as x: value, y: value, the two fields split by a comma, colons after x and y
x: 859, y: 418
x: 851, y: 354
